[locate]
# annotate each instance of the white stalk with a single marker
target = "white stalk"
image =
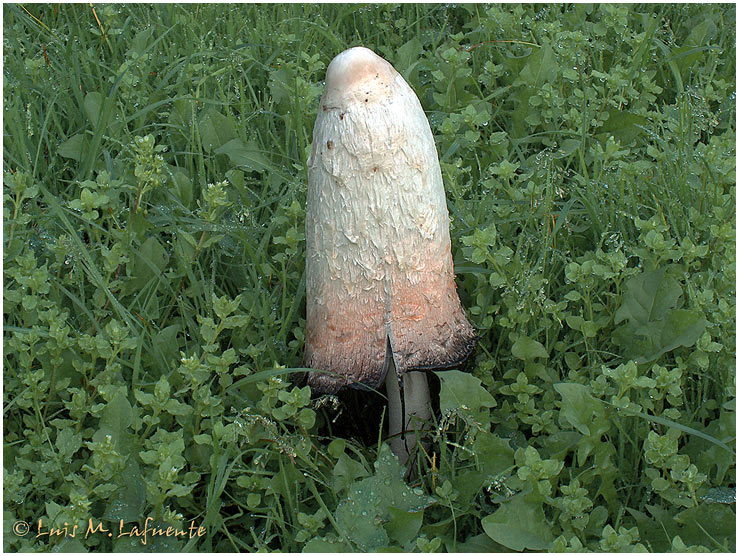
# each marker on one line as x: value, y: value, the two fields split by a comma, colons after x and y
x: 408, y: 410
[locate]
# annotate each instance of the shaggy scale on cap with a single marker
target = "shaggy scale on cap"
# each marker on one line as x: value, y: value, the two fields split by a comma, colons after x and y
x: 378, y: 255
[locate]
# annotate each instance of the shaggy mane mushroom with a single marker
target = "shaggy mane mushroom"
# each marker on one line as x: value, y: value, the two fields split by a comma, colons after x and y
x: 381, y: 299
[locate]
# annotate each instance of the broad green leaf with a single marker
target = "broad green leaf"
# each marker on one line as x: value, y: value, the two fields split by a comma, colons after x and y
x: 702, y: 33
x: 541, y: 67
x: 127, y: 544
x: 150, y: 311
x: 658, y: 533
x: 149, y: 261
x: 182, y: 186
x: 236, y: 177
x: 560, y: 443
x: 579, y: 408
x: 519, y: 524
x: 712, y: 525
x: 494, y: 454
x: 247, y: 155
x: 181, y: 113
x: 645, y: 343
x: 115, y: 419
x: 215, y: 130
x: 493, y: 458
x: 682, y: 328
x: 153, y: 253
x: 281, y: 84
x: 93, y: 102
x: 141, y: 41
x: 336, y: 447
x: 480, y: 544
x: 362, y: 525
x: 166, y: 345
x: 180, y: 490
x: 129, y: 502
x: 322, y: 545
x: 648, y: 297
x: 654, y: 325
x: 283, y: 483
x: 367, y: 506
x: 567, y: 147
x: 527, y: 349
x: 463, y: 390
x: 684, y: 57
x: 70, y: 544
x: 707, y: 452
x: 623, y: 125
x: 403, y: 526
x: 74, y: 147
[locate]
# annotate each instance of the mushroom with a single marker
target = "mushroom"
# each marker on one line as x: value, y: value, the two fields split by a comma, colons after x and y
x: 381, y: 299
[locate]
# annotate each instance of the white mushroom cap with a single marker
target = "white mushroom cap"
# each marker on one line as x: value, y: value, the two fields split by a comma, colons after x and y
x: 378, y: 263
x: 357, y: 75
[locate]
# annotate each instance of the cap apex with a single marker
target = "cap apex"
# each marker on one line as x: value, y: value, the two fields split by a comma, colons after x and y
x: 356, y: 66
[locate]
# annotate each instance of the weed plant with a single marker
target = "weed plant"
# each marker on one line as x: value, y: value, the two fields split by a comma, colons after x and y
x: 153, y: 198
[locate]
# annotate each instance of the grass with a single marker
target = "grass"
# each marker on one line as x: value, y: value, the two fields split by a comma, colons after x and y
x: 153, y: 252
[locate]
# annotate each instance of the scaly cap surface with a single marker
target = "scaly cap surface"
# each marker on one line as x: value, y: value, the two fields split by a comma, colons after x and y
x: 379, y: 267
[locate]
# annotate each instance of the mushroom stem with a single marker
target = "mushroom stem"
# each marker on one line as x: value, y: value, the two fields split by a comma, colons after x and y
x: 409, y: 409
